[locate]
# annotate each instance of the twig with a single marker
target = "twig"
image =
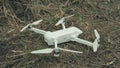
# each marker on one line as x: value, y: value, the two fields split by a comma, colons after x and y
x: 10, y: 31
x: 16, y: 51
x: 17, y: 55
x: 109, y: 63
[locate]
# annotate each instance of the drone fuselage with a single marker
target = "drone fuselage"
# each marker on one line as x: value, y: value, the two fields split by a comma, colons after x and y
x: 63, y: 35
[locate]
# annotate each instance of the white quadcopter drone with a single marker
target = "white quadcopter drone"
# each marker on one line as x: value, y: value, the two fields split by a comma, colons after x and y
x: 61, y: 36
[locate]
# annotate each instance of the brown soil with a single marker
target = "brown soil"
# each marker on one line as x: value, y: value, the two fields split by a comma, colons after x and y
x: 103, y: 15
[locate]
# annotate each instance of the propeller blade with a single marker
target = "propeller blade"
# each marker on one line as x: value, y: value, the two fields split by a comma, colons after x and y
x: 69, y: 16
x: 42, y: 51
x: 37, y: 22
x: 95, y: 45
x: 24, y: 28
x: 70, y: 50
x: 60, y: 21
x: 96, y: 42
x: 34, y: 23
x: 97, y: 34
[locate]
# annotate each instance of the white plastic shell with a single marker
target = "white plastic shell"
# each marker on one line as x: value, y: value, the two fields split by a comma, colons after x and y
x: 62, y: 36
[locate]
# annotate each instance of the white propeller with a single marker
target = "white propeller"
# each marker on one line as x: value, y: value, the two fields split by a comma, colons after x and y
x: 97, y: 34
x: 37, y: 22
x: 70, y: 50
x: 96, y: 42
x: 50, y: 50
x: 24, y: 28
x: 95, y: 45
x: 43, y: 51
x: 34, y: 23
x: 62, y: 20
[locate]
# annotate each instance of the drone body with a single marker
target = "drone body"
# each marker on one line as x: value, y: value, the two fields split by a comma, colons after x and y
x: 62, y: 36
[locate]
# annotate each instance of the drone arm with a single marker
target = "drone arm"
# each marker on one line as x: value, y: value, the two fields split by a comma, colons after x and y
x: 83, y: 41
x: 94, y: 45
x: 56, y: 43
x: 37, y: 30
x: 63, y: 25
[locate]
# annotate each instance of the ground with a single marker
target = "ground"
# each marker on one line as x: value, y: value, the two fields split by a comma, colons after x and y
x: 103, y: 15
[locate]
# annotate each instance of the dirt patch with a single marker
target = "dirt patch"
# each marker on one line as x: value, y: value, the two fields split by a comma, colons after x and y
x: 103, y: 15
